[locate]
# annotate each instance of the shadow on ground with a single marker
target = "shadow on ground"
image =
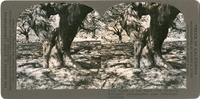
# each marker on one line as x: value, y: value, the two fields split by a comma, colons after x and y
x: 105, y: 66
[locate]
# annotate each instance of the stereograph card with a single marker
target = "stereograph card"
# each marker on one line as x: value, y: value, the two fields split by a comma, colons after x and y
x: 122, y: 49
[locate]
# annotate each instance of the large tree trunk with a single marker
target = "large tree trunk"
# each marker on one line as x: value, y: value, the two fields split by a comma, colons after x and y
x: 71, y: 16
x: 162, y: 16
x: 154, y: 44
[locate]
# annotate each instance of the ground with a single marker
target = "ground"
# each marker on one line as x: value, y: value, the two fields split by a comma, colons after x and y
x: 105, y: 66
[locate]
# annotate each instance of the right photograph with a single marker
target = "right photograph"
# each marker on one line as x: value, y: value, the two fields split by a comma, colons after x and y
x: 143, y: 46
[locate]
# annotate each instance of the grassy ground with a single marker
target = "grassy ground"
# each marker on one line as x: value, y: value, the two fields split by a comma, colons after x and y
x: 105, y: 66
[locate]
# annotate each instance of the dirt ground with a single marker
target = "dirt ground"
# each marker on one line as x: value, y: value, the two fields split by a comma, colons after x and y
x: 105, y: 66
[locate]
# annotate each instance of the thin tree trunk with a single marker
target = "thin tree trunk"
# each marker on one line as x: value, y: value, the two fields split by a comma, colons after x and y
x: 27, y: 37
x: 48, y: 44
x: 47, y: 47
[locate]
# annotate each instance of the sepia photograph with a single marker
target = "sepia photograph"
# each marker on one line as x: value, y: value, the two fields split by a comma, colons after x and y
x: 133, y: 45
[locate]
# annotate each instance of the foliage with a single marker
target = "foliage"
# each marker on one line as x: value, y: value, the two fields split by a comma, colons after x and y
x: 120, y: 16
x: 32, y: 18
x: 35, y: 20
x: 92, y: 25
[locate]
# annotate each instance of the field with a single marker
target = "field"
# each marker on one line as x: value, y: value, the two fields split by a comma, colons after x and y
x: 105, y: 66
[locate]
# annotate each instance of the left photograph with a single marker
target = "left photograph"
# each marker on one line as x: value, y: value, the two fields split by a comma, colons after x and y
x: 54, y: 41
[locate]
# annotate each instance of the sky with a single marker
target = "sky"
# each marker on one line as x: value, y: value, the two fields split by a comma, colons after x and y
x: 0, y: 54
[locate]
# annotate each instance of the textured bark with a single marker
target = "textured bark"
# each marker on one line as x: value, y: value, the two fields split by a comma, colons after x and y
x: 139, y: 43
x: 162, y: 16
x: 71, y: 17
x: 48, y: 44
x: 47, y: 47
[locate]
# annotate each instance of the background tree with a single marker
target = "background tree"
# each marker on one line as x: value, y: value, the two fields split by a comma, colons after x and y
x: 35, y: 19
x: 23, y: 24
x: 124, y: 17
x: 114, y: 19
x: 91, y: 24
x: 23, y: 28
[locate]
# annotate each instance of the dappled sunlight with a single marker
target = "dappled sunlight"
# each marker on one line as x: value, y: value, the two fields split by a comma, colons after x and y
x: 105, y: 66
x: 119, y: 51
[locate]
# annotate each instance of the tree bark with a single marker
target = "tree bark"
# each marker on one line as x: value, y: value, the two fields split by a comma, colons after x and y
x: 162, y: 17
x: 154, y: 45
x: 139, y: 42
x: 71, y: 17
x: 150, y: 42
x: 48, y: 44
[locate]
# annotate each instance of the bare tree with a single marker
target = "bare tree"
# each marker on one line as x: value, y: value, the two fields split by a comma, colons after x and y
x: 35, y: 19
x: 91, y: 24
x: 23, y: 28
